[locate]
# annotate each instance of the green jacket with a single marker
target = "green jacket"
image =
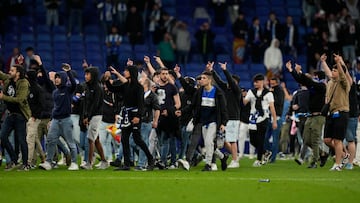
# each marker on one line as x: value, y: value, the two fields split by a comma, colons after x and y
x: 22, y: 93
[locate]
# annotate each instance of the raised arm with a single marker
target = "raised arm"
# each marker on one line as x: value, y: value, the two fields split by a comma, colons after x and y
x: 324, y: 66
x: 118, y: 75
x: 232, y: 84
x: 218, y: 80
x: 149, y: 65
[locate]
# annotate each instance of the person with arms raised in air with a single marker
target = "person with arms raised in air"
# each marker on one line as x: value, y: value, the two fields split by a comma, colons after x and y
x: 131, y: 112
x: 61, y: 123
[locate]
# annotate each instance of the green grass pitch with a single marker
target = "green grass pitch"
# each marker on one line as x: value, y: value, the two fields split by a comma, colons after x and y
x: 288, y: 183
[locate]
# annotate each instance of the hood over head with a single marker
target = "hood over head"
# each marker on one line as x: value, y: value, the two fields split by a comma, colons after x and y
x: 133, y: 72
x: 63, y: 76
x: 94, y: 72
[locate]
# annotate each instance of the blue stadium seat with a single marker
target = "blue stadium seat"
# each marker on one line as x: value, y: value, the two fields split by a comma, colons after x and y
x: 76, y: 38
x: 262, y: 3
x: 92, y: 29
x: 60, y: 46
x: 42, y: 29
x: 27, y: 38
x: 59, y: 29
x: 125, y: 48
x: 90, y: 38
x: 293, y: 4
x: 44, y: 45
x: 61, y: 38
x: 195, y: 67
x: 241, y: 67
x: 257, y: 68
x: 277, y: 2
x: 42, y: 37
x: 45, y: 55
x: 141, y: 48
x: 247, y: 84
x: 223, y: 58
x: 262, y: 11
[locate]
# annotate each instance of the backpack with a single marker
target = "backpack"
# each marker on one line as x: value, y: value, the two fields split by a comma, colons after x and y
x: 260, y: 98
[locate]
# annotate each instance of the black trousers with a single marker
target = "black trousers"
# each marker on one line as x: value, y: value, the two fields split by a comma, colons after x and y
x: 257, y: 137
x: 134, y: 130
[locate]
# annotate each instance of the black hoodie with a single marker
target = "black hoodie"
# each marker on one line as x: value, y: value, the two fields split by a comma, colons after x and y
x: 94, y: 95
x: 132, y: 90
x: 36, y: 95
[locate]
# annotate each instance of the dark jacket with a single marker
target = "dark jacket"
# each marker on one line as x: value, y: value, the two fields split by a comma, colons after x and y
x: 220, y: 102
x: 93, y: 95
x: 48, y: 87
x: 36, y: 95
x: 133, y: 92
x: 109, y: 107
x: 279, y: 97
x: 232, y: 94
x: 316, y: 89
x: 63, y: 96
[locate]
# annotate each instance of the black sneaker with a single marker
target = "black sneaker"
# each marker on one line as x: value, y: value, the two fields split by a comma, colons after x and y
x: 160, y: 165
x: 116, y: 163
x: 122, y: 168
x: 223, y: 162
x: 24, y: 168
x: 151, y: 165
x: 207, y: 167
x: 323, y: 159
x: 312, y: 165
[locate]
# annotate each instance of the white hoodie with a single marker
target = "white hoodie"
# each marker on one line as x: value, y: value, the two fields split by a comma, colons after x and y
x: 273, y: 59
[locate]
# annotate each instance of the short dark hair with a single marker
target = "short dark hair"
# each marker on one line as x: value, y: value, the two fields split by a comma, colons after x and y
x: 320, y: 74
x: 20, y: 69
x: 258, y: 77
x: 29, y: 49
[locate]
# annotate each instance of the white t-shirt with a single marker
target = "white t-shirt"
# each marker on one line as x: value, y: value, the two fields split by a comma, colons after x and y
x: 265, y: 103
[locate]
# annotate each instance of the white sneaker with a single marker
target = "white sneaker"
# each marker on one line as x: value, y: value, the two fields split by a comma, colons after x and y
x: 83, y: 163
x: 98, y: 164
x: 46, y: 166
x: 356, y: 163
x: 103, y: 165
x: 234, y: 164
x: 257, y: 163
x: 335, y: 168
x: 251, y: 156
x: 214, y: 167
x: 172, y: 166
x: 73, y: 166
x: 87, y: 166
x: 183, y: 163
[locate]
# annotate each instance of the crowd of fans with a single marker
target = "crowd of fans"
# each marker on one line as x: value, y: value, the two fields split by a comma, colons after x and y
x: 167, y: 120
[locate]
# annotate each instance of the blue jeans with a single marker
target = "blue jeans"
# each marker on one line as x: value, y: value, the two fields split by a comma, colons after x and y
x: 84, y: 145
x: 145, y: 132
x: 16, y: 122
x: 185, y: 138
x: 274, y: 148
x: 351, y: 129
x: 61, y: 127
x: 12, y: 142
x: 165, y: 144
